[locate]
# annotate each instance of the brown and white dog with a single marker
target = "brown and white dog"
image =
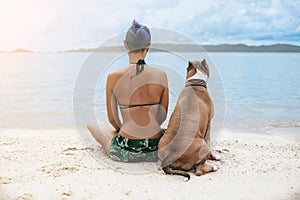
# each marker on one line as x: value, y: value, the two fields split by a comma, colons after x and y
x: 186, y: 143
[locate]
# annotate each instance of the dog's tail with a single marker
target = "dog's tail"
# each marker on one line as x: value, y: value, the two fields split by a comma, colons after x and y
x: 168, y: 170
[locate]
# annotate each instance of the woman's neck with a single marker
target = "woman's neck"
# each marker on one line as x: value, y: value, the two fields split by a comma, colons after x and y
x: 135, y: 57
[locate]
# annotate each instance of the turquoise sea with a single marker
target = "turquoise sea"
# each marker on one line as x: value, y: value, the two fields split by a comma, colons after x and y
x: 39, y: 90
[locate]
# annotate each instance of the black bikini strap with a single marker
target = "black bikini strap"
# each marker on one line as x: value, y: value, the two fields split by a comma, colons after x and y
x: 122, y: 106
x: 139, y: 67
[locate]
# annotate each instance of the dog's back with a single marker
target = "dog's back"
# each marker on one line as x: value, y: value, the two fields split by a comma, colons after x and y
x: 187, y: 127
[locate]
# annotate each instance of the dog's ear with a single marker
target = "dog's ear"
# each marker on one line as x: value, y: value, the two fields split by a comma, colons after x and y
x: 205, y: 67
x: 190, y: 65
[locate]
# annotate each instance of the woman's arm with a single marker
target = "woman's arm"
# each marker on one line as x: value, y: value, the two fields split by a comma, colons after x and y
x: 164, y: 101
x: 112, y: 104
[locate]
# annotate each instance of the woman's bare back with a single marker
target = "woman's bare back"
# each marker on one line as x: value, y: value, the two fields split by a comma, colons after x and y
x: 141, y: 99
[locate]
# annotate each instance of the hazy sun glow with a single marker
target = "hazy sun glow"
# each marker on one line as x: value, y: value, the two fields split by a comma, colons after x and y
x: 19, y: 24
x: 60, y: 25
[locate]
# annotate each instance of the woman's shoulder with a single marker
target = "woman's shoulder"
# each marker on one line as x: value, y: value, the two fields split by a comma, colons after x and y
x: 162, y: 75
x: 117, y: 73
x: 158, y: 71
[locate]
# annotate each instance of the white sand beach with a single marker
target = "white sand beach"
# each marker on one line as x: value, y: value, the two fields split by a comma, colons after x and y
x: 54, y: 164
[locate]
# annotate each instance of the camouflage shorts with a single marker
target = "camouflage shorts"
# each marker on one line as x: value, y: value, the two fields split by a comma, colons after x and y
x: 132, y: 150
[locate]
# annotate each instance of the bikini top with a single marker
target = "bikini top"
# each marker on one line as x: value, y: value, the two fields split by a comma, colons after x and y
x: 139, y: 68
x: 123, y: 106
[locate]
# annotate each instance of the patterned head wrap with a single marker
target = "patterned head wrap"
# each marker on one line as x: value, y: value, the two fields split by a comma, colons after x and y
x: 137, y: 36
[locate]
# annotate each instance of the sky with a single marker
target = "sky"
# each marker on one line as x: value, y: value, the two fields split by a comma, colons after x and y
x: 57, y: 25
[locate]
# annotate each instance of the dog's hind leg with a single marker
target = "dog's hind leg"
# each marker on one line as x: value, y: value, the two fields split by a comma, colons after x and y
x: 205, y: 168
x: 213, y: 156
x: 204, y: 153
x: 168, y: 170
x: 202, y: 167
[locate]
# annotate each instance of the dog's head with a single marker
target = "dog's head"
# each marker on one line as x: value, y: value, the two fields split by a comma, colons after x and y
x: 197, y: 70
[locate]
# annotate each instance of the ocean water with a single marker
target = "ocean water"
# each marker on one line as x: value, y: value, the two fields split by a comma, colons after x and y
x: 251, y: 91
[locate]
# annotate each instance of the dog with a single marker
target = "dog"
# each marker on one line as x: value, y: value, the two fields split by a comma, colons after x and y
x: 185, y: 145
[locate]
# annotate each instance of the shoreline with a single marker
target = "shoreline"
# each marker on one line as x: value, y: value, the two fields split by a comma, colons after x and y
x: 283, y: 131
x: 54, y: 162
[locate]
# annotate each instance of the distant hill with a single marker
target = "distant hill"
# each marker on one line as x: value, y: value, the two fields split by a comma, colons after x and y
x: 285, y: 48
x: 246, y: 48
x: 21, y: 51
x: 209, y: 48
x: 79, y: 50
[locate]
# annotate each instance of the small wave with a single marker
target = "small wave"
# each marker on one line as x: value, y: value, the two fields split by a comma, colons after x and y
x: 259, y: 125
x: 282, y: 124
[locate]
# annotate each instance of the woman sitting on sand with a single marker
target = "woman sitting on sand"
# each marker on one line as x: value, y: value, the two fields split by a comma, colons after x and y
x: 141, y: 94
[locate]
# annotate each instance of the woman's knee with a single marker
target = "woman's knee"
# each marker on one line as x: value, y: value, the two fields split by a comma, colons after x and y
x: 92, y: 125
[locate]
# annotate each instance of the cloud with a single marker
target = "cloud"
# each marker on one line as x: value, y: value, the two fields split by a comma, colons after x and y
x: 60, y: 25
x: 234, y: 21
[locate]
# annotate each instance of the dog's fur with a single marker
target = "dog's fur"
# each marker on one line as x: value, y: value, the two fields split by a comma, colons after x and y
x: 186, y: 142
